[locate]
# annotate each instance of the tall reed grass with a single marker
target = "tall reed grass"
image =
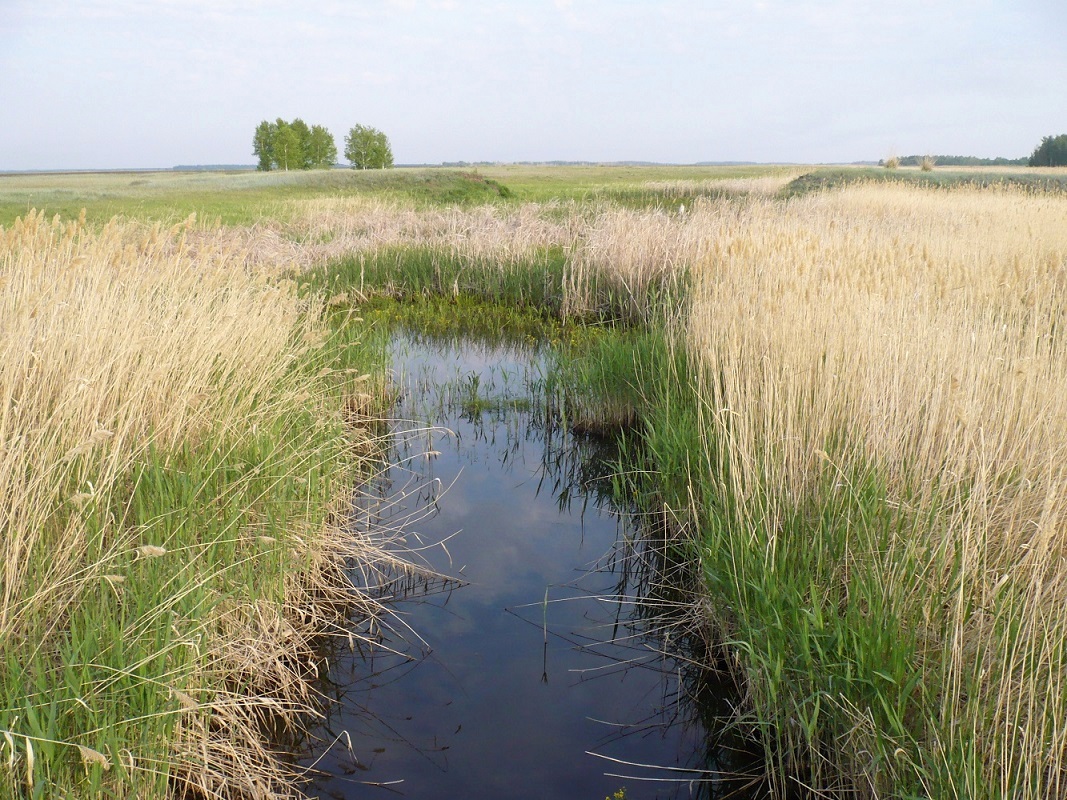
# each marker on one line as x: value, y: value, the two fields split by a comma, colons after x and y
x: 171, y: 450
x: 881, y: 485
x: 581, y: 260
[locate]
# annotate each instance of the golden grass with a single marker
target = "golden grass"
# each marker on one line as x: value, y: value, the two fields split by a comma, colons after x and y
x: 326, y: 229
x: 505, y: 232
x: 322, y: 229
x: 915, y: 336
x: 108, y: 343
x: 120, y: 351
x: 633, y: 251
x: 829, y: 294
x: 765, y: 185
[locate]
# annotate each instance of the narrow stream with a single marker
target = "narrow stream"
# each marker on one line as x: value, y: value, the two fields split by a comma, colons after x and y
x: 532, y: 672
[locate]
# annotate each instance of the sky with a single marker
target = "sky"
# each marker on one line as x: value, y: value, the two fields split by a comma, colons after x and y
x: 108, y: 84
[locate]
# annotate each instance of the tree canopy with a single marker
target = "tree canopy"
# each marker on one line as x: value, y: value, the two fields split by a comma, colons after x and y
x: 368, y: 148
x: 293, y: 145
x: 263, y: 145
x: 287, y: 148
x: 320, y: 149
x: 1052, y: 152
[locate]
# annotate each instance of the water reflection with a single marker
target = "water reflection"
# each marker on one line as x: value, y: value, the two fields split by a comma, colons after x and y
x: 530, y: 663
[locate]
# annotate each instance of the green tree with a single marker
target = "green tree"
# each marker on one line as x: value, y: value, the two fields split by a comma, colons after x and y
x: 263, y: 145
x: 293, y: 145
x: 286, y: 147
x: 1052, y: 152
x: 368, y: 148
x: 303, y: 133
x: 320, y: 152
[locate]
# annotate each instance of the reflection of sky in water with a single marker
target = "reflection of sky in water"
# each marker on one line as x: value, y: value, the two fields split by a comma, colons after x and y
x: 472, y: 715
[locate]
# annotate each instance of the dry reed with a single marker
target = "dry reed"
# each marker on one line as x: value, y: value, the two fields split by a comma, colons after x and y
x: 764, y: 185
x: 322, y: 230
x: 912, y: 337
x: 120, y: 350
x: 881, y: 376
x: 107, y: 340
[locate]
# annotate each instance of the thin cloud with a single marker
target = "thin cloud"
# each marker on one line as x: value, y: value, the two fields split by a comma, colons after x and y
x: 676, y: 80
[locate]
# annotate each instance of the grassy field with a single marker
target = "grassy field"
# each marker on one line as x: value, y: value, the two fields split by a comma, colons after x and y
x: 593, y: 182
x: 249, y: 197
x: 848, y: 402
x: 226, y: 198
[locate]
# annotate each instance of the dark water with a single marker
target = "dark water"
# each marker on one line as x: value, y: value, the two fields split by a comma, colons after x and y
x: 537, y: 664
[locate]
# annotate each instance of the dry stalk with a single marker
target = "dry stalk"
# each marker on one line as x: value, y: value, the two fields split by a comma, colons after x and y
x: 916, y: 335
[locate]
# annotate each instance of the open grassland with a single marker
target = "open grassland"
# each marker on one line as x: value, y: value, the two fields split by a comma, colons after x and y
x: 226, y: 198
x: 242, y: 198
x: 610, y: 182
x: 850, y: 406
x: 171, y: 451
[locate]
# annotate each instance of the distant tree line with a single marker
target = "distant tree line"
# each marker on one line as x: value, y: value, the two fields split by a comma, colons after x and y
x: 1052, y: 152
x: 293, y: 145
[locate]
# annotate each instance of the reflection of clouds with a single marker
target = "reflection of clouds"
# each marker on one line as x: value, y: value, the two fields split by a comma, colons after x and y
x: 513, y: 541
x: 473, y: 717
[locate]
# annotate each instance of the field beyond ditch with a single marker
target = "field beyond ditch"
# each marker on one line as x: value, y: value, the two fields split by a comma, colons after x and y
x: 849, y: 402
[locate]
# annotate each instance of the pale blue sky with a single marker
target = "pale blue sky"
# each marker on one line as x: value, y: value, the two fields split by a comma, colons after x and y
x: 154, y: 83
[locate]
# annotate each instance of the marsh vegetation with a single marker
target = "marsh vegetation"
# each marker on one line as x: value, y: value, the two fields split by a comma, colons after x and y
x: 532, y: 657
x: 845, y: 405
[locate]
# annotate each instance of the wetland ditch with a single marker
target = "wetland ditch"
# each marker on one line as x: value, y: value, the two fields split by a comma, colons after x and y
x: 841, y: 410
x: 545, y: 652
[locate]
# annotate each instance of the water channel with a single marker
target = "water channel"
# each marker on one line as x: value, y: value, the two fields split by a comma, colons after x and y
x: 534, y: 667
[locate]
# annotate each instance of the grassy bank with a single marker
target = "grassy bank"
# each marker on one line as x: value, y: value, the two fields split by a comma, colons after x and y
x: 173, y: 467
x: 878, y: 485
